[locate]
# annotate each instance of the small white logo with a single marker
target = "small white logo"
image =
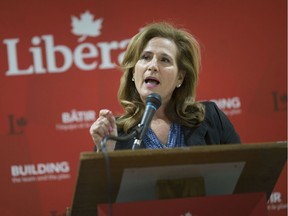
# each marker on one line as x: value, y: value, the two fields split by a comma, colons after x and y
x: 78, y: 116
x: 76, y: 119
x: 230, y: 106
x: 52, y: 171
x: 187, y: 214
x: 40, y: 169
x: 86, y: 26
x: 275, y: 202
x: 275, y: 197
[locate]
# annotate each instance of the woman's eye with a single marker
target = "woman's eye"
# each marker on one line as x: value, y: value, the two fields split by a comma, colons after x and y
x: 166, y: 60
x: 145, y: 57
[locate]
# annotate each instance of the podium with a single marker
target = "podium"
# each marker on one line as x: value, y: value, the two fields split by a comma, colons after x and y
x: 251, y: 204
x: 131, y: 176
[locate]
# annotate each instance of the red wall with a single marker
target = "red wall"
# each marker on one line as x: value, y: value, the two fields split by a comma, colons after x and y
x: 56, y: 73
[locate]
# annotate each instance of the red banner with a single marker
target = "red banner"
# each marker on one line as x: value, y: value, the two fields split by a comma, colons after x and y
x: 58, y: 64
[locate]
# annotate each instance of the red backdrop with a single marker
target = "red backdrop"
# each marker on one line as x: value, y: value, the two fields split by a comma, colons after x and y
x: 57, y: 69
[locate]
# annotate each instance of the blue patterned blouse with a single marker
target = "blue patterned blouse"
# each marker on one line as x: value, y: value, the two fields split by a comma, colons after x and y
x: 175, y: 138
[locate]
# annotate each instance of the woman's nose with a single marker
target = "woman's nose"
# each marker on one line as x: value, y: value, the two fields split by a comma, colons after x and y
x: 153, y: 65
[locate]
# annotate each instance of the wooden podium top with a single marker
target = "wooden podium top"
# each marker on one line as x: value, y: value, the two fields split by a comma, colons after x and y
x: 263, y: 165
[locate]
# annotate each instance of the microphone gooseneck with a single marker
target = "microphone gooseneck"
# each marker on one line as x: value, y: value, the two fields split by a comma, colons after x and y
x: 153, y: 102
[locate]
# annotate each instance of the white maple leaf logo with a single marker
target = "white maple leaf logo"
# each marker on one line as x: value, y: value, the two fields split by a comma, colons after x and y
x: 187, y: 214
x: 86, y: 26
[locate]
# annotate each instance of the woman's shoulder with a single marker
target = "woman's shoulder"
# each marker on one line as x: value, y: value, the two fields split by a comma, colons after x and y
x: 211, y: 108
x: 217, y: 121
x: 208, y: 104
x: 214, y: 114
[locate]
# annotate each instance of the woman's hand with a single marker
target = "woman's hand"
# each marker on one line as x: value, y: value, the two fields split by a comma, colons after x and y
x: 103, y: 126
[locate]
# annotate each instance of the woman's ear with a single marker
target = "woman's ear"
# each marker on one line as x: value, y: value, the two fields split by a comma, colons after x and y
x: 181, y: 76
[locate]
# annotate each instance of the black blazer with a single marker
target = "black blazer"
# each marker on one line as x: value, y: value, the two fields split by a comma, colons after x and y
x: 215, y: 129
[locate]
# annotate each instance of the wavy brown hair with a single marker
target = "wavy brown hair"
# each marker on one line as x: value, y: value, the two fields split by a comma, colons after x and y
x: 182, y: 107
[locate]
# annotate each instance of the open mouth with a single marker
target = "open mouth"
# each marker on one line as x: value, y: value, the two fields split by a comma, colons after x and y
x: 152, y: 81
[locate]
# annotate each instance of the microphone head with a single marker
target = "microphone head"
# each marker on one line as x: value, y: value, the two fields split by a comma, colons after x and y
x: 154, y: 99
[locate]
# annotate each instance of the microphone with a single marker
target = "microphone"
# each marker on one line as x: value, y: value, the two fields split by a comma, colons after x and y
x: 153, y: 102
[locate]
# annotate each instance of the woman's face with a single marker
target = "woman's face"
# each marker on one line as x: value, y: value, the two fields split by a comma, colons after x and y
x: 156, y: 71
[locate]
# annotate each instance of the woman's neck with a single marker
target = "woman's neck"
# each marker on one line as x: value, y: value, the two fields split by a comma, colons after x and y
x: 160, y: 115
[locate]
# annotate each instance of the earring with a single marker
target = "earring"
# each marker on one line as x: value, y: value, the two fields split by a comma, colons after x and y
x: 133, y: 79
x: 179, y: 85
